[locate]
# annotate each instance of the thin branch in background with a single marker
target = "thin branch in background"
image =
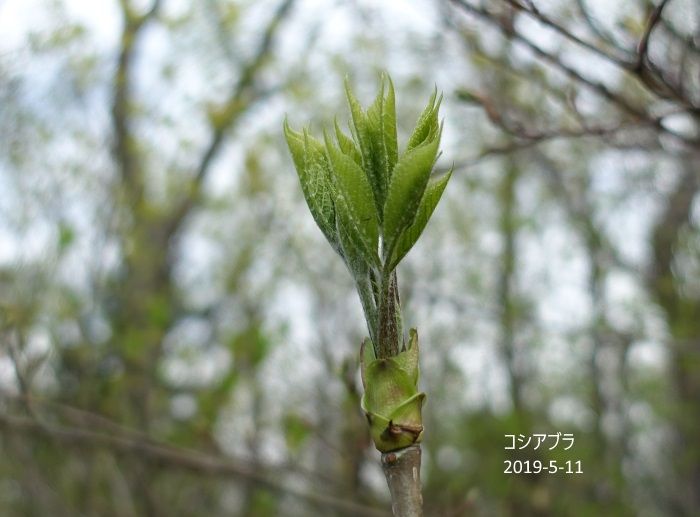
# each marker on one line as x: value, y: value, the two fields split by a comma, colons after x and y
x: 615, y: 98
x: 553, y: 60
x: 164, y: 454
x: 244, y: 94
x: 643, y: 47
x: 598, y: 30
x: 654, y: 77
x: 581, y: 215
x: 525, y: 74
x: 690, y: 42
x: 123, y: 148
x: 531, y: 10
x: 81, y: 418
x: 15, y: 344
x: 517, y: 145
x: 233, y: 107
x: 520, y: 130
x: 212, y: 11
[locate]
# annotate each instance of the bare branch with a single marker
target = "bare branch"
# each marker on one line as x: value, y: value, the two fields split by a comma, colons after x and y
x: 212, y: 11
x: 581, y: 214
x: 552, y: 59
x: 123, y: 148
x: 687, y: 40
x: 402, y: 472
x: 675, y: 216
x: 243, y: 96
x: 597, y: 29
x: 162, y: 453
x: 234, y: 107
x: 643, y: 46
x: 535, y: 13
x: 617, y: 99
x: 518, y: 129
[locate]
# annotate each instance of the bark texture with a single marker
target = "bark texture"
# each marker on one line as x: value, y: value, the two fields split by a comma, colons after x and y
x: 402, y: 471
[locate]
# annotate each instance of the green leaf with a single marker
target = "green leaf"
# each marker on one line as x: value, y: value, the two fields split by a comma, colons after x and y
x: 295, y: 142
x: 347, y: 145
x: 388, y: 386
x: 365, y: 135
x: 354, y: 206
x: 358, y: 125
x: 351, y: 246
x: 409, y: 412
x: 367, y: 356
x: 431, y: 197
x: 389, y: 119
x: 314, y: 175
x: 408, y: 358
x: 408, y: 183
x: 427, y: 124
x: 379, y: 163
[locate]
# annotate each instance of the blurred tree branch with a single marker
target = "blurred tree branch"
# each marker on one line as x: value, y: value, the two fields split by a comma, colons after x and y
x: 244, y: 94
x: 643, y: 47
x: 598, y: 30
x: 125, y: 148
x: 681, y: 309
x: 159, y: 453
x: 654, y: 80
x: 649, y: 91
x: 530, y: 9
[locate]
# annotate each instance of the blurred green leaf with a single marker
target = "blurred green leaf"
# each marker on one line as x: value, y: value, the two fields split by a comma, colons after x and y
x: 66, y: 236
x: 296, y: 431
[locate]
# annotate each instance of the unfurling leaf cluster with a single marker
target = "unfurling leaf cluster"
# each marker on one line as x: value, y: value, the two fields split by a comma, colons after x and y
x: 370, y: 201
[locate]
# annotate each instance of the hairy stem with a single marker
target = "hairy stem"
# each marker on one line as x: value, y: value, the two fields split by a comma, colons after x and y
x: 402, y: 471
x: 389, y: 318
x: 398, y: 315
x: 369, y: 306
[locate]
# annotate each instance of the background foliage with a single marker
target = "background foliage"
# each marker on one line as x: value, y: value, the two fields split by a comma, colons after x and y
x: 177, y: 339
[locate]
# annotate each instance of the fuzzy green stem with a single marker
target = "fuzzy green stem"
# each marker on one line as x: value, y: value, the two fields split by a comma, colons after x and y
x: 388, y: 338
x: 369, y: 306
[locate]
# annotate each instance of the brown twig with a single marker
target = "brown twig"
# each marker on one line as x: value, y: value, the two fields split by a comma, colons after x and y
x: 643, y: 47
x: 553, y: 60
x: 617, y: 99
x: 521, y: 131
x: 531, y: 10
x: 597, y: 29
